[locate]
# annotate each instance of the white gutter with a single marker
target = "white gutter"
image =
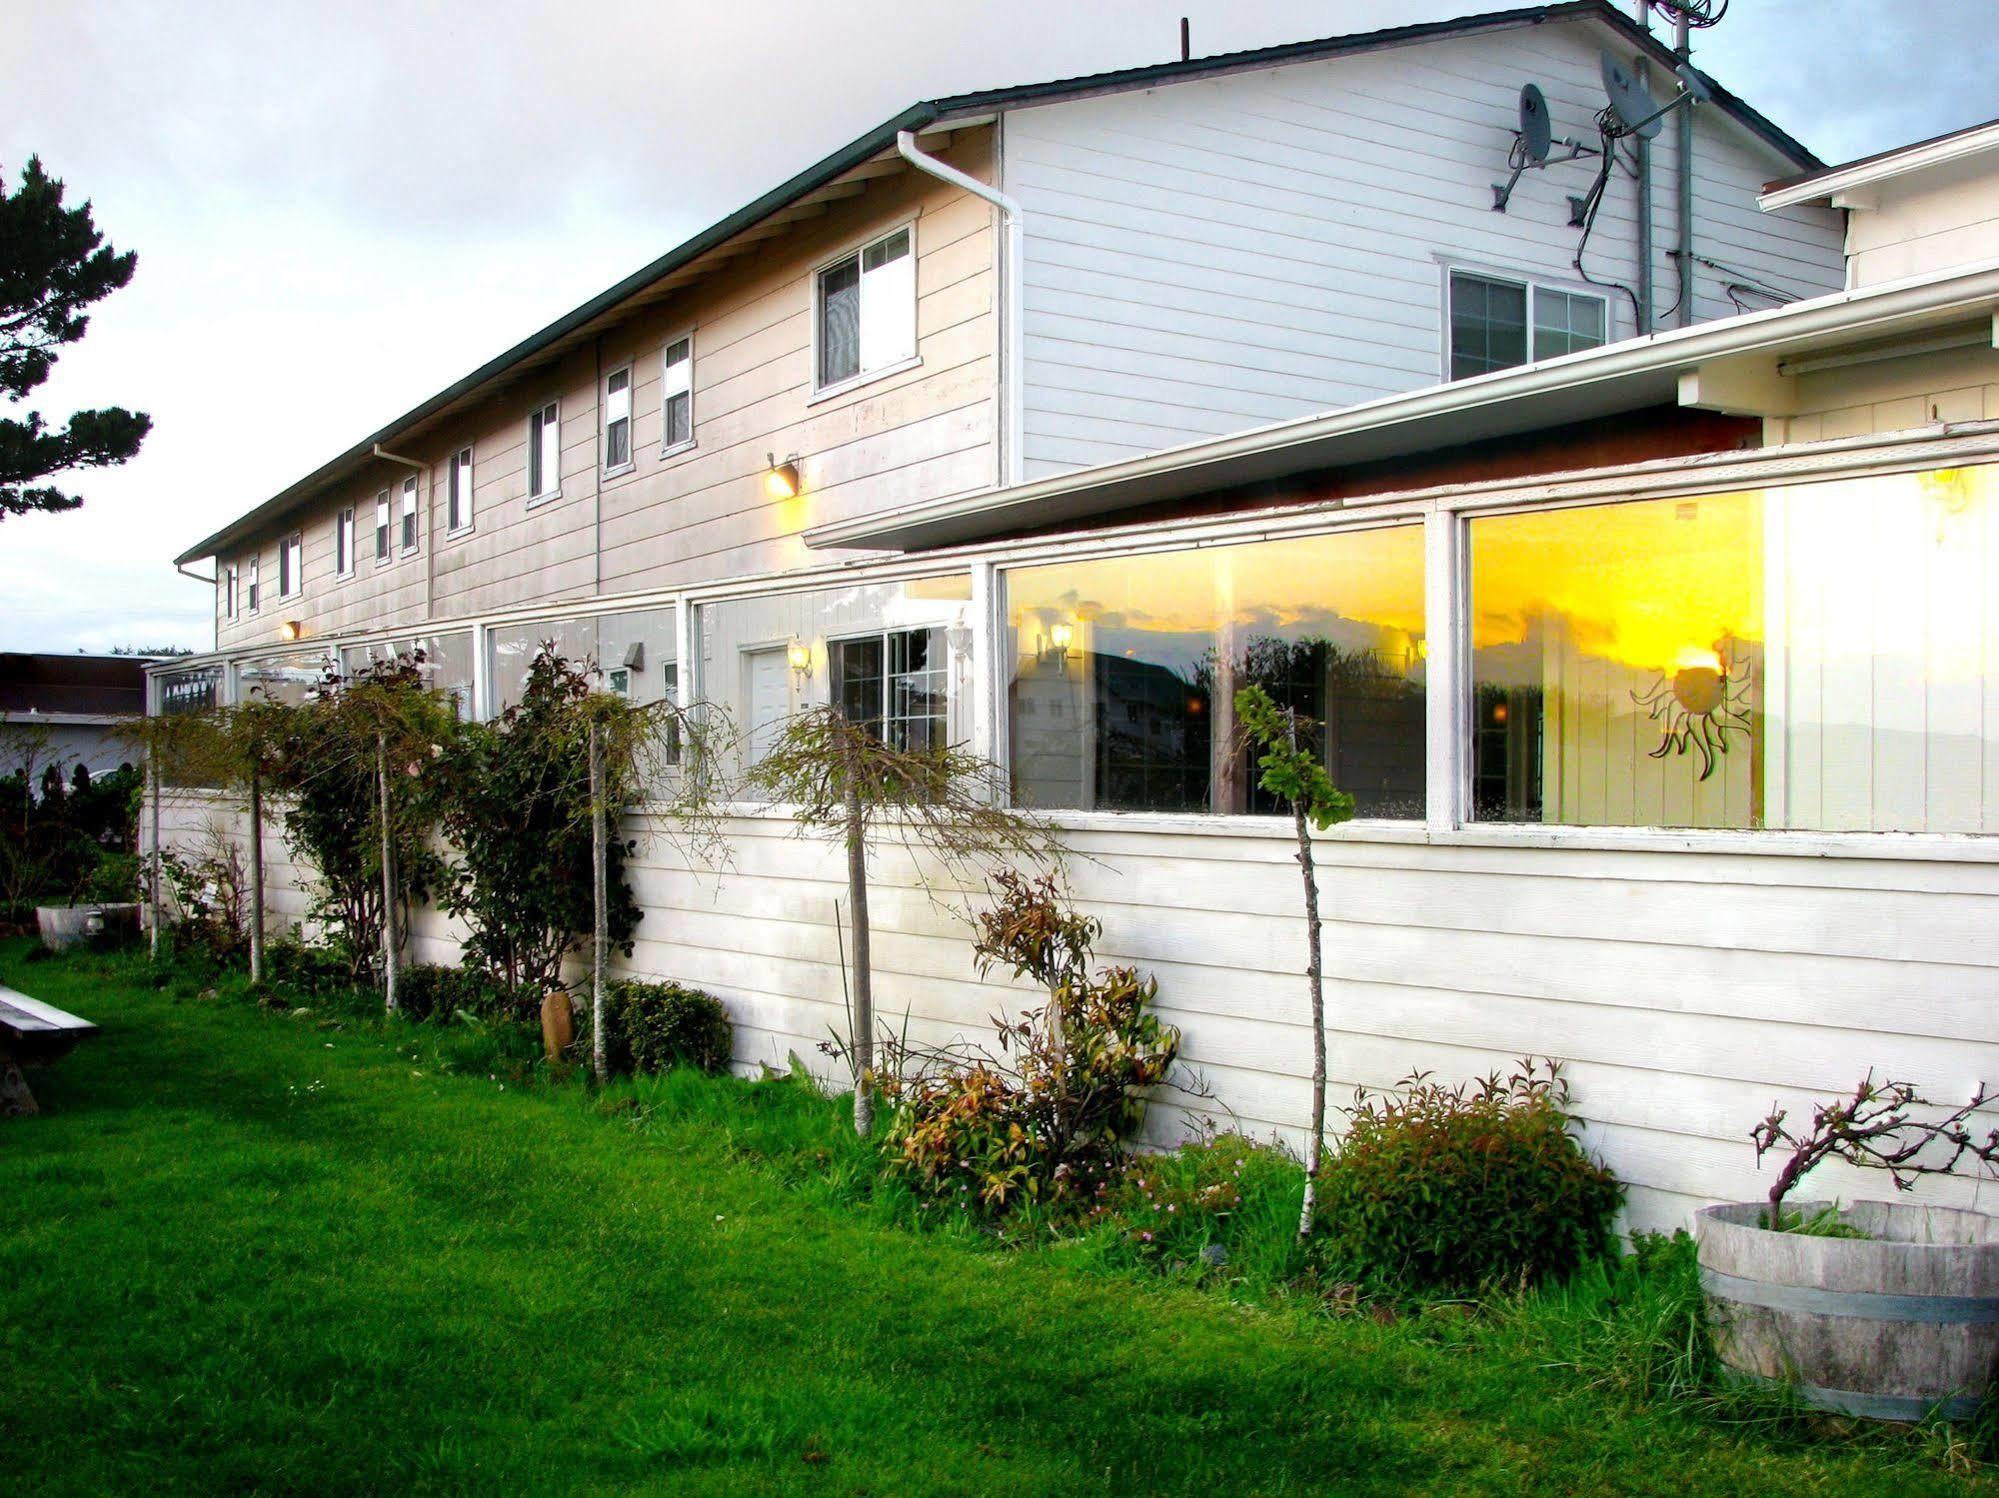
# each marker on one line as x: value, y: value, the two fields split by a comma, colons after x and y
x: 1012, y: 322
x: 1882, y: 168
x: 1842, y: 313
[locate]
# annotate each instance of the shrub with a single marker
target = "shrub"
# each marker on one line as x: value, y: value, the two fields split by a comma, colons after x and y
x: 290, y: 963
x: 650, y: 1027
x: 1452, y: 1188
x: 1047, y: 1122
x: 433, y: 992
x: 1222, y: 1203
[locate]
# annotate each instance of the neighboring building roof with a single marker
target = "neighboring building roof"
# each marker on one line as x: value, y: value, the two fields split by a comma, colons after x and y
x: 1632, y: 375
x: 962, y: 109
x: 1882, y: 166
x: 90, y: 686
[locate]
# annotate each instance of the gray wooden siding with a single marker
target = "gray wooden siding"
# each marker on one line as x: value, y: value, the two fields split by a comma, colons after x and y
x: 1210, y: 256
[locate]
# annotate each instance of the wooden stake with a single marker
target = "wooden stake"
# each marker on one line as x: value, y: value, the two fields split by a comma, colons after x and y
x: 153, y: 788
x: 256, y: 873
x: 864, y: 996
x: 600, y: 922
x: 388, y: 878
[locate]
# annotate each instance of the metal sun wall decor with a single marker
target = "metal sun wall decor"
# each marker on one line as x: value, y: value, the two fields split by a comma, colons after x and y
x: 1700, y: 703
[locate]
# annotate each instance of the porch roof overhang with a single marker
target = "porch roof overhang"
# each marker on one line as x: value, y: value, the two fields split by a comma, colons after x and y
x: 1744, y: 366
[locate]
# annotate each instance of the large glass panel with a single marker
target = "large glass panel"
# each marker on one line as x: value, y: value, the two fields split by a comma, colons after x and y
x: 447, y: 662
x: 290, y: 679
x: 1125, y: 670
x: 196, y: 690
x: 630, y: 653
x: 896, y: 656
x: 1816, y: 656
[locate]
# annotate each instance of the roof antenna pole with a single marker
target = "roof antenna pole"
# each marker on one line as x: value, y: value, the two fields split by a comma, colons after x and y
x: 1683, y: 49
x: 1186, y: 42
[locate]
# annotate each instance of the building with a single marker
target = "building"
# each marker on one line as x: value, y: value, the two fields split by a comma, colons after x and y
x: 67, y: 710
x: 1662, y: 662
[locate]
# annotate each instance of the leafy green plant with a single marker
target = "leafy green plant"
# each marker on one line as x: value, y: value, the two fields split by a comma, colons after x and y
x: 1453, y: 1188
x: 1223, y: 1204
x: 651, y: 1027
x: 1290, y: 770
x: 435, y: 992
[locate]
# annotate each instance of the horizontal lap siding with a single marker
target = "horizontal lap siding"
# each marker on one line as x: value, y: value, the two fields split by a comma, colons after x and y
x: 1684, y: 993
x: 1209, y: 256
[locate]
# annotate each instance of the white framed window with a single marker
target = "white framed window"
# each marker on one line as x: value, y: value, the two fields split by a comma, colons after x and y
x: 409, y: 514
x: 864, y: 318
x: 618, y: 420
x: 676, y: 400
x: 291, y: 565
x: 229, y: 592
x: 458, y: 494
x: 343, y: 543
x: 1497, y: 322
x: 895, y: 684
x: 250, y: 597
x: 544, y: 453
x: 381, y: 528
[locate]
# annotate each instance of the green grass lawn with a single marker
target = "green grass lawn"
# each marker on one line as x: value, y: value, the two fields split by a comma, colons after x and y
x: 252, y: 1251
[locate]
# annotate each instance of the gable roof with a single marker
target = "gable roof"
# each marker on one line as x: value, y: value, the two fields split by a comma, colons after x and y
x: 962, y: 109
x: 1897, y: 161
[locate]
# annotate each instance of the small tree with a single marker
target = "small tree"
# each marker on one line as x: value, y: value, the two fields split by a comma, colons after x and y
x: 848, y: 784
x: 1874, y: 1128
x: 1290, y: 771
x: 54, y: 264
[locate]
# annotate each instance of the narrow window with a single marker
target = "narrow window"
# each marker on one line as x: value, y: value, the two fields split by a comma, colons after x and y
x: 544, y: 471
x: 250, y: 584
x: 677, y: 397
x: 229, y: 593
x: 343, y: 543
x: 409, y: 513
x: 291, y: 563
x: 618, y: 419
x: 381, y: 527
x: 867, y: 310
x: 458, y: 501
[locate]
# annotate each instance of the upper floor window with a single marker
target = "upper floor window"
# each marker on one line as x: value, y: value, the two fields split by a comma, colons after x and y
x: 895, y: 685
x: 867, y: 310
x: 544, y: 453
x: 381, y: 527
x: 343, y: 544
x: 618, y: 419
x: 677, y: 394
x: 409, y: 513
x: 1497, y: 323
x: 291, y: 565
x: 250, y: 590
x: 229, y: 593
x: 458, y: 493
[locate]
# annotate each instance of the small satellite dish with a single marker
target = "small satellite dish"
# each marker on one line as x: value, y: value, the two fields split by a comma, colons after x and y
x: 1535, y: 133
x: 1633, y: 106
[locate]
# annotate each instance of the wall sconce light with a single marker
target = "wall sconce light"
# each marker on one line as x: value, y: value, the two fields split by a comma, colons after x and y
x: 1061, y: 636
x: 288, y: 631
x: 800, y: 655
x: 781, y: 479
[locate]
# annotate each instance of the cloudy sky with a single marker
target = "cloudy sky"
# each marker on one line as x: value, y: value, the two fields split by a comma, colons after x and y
x: 340, y: 208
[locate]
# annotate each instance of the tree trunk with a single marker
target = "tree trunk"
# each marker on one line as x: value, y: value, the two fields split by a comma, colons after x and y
x: 864, y: 998
x: 1314, y: 968
x: 388, y: 877
x: 600, y: 927
x: 256, y: 875
x: 153, y: 886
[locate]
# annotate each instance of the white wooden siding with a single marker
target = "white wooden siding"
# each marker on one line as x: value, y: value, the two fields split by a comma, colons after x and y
x: 1207, y: 256
x: 1685, y: 993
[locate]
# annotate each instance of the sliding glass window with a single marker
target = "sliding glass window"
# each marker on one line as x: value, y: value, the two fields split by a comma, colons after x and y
x: 633, y: 654
x: 1820, y: 656
x: 447, y: 662
x: 1124, y: 672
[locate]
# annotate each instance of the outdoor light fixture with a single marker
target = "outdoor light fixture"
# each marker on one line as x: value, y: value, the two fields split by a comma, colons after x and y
x: 1061, y: 635
x: 800, y: 655
x: 781, y: 479
x: 289, y: 630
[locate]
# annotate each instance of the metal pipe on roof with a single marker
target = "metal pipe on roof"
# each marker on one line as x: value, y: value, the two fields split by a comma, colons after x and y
x: 1684, y: 125
x: 1012, y: 323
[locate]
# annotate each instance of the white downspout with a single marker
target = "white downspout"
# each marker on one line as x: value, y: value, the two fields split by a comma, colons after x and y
x: 1012, y: 324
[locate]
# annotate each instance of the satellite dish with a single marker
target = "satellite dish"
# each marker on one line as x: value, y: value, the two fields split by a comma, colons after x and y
x: 1633, y: 106
x: 1535, y: 133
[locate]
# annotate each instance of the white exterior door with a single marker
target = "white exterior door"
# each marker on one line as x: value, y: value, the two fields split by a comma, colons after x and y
x: 767, y: 689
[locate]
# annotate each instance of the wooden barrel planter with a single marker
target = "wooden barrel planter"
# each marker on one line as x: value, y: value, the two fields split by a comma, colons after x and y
x: 1889, y: 1327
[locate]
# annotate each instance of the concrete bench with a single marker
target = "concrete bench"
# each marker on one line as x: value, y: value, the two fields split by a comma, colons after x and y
x: 31, y: 1034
